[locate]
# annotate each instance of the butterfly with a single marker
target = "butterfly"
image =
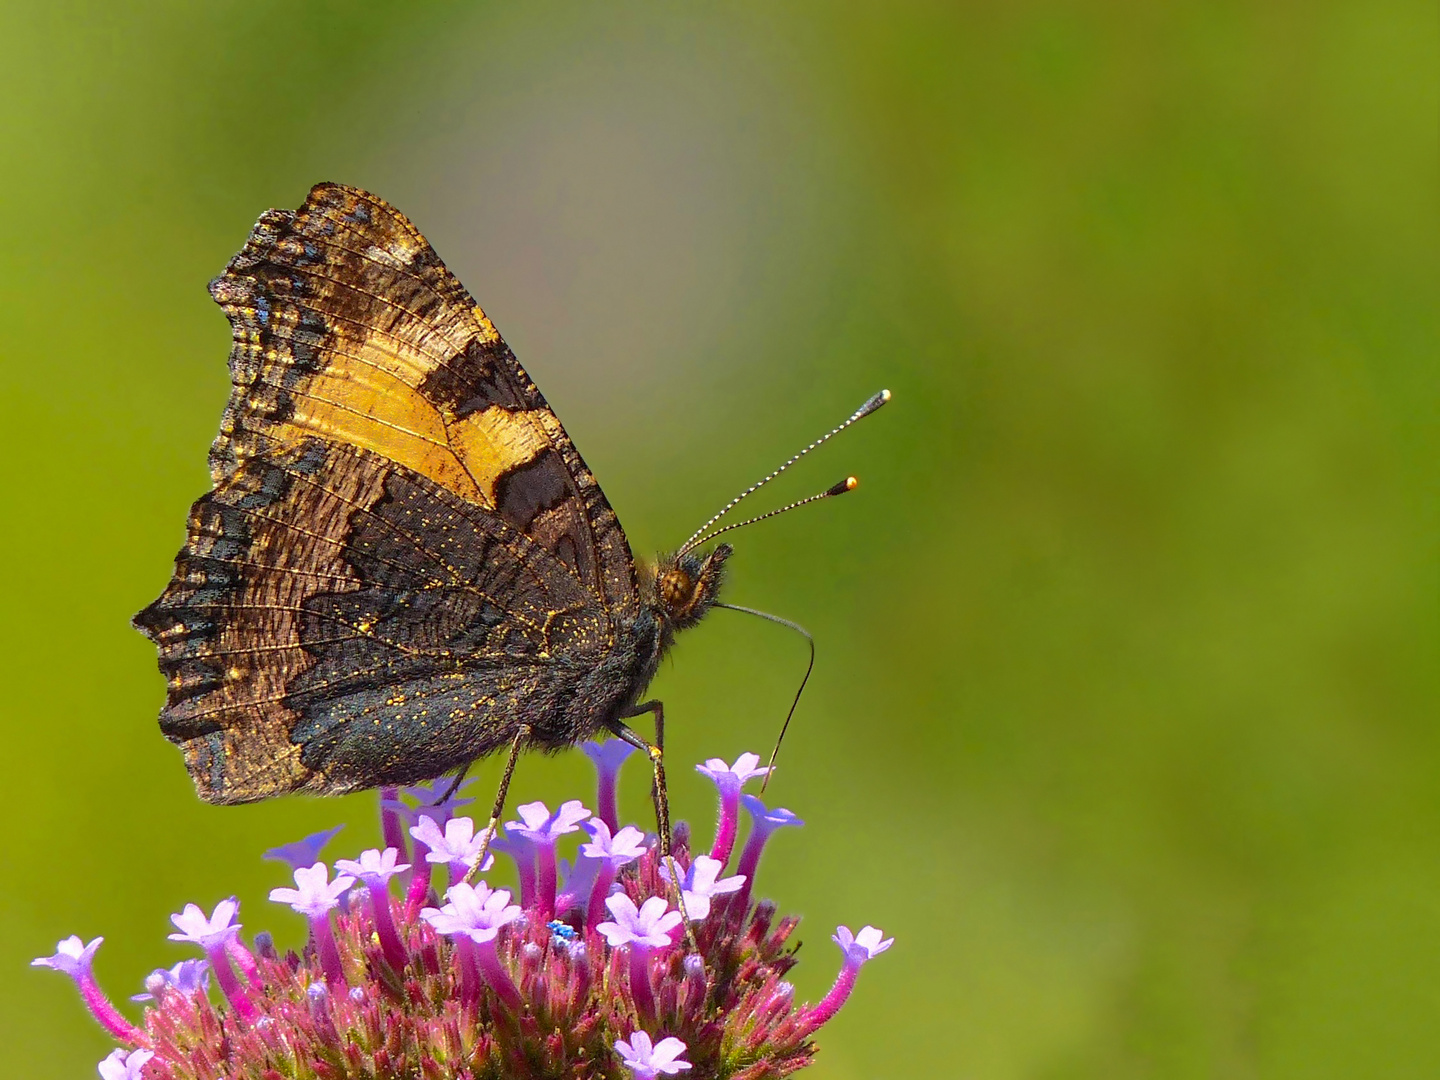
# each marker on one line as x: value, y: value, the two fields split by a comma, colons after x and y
x: 404, y: 565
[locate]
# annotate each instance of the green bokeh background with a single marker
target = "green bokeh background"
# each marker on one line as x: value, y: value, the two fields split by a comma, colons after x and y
x: 1124, y: 722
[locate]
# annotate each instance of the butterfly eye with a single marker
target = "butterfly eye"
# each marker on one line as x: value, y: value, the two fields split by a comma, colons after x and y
x: 676, y: 588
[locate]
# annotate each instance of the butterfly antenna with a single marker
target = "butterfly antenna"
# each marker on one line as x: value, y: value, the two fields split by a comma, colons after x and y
x: 848, y: 484
x: 808, y: 669
x: 698, y: 536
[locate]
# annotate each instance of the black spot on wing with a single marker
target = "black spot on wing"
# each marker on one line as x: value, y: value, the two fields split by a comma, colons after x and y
x: 524, y: 493
x: 473, y: 380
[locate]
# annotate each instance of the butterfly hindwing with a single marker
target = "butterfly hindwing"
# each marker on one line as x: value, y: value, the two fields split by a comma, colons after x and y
x: 338, y: 621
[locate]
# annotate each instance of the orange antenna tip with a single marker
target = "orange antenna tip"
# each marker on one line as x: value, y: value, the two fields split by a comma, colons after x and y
x: 851, y: 483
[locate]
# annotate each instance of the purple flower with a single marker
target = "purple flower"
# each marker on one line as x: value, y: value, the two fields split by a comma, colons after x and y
x: 209, y: 932
x: 477, y: 911
x: 430, y: 800
x: 314, y: 899
x: 729, y: 779
x: 215, y: 934
x: 522, y: 851
x: 607, y: 757
x: 743, y: 771
x: 317, y: 894
x: 186, y: 977
x: 702, y: 882
x: 433, y: 806
x: 540, y: 826
x: 303, y: 852
x: 643, y: 929
x: 375, y: 869
x: 577, y: 883
x: 391, y: 830
x: 457, y: 846
x: 543, y: 829
x: 474, y: 916
x: 858, y: 948
x: 72, y: 956
x: 623, y: 847
x: 647, y: 1061
x: 649, y: 924
x: 608, y: 853
x: 763, y: 823
x: 119, y: 1065
x: 75, y: 958
x: 866, y: 945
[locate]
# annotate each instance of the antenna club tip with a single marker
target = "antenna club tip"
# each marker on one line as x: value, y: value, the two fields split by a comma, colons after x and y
x: 871, y: 404
x: 851, y: 483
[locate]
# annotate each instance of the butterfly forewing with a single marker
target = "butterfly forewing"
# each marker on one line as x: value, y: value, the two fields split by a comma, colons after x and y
x: 403, y: 555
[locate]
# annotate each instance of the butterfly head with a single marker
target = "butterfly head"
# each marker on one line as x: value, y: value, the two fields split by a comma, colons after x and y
x: 685, y: 586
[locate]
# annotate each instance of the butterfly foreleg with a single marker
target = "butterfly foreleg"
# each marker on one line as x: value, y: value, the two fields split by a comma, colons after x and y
x: 660, y: 793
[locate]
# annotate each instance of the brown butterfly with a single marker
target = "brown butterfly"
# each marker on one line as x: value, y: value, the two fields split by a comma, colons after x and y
x: 404, y: 564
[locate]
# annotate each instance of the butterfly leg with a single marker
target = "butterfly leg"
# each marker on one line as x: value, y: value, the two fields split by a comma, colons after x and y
x: 520, y: 736
x: 660, y: 792
x: 656, y: 752
x: 455, y: 784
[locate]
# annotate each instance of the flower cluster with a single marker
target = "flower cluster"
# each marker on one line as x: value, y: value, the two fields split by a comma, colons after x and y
x: 606, y: 966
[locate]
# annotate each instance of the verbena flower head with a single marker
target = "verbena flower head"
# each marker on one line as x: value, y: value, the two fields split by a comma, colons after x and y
x: 600, y: 978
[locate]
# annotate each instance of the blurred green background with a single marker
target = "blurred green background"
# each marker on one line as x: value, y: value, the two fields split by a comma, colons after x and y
x: 1124, y: 722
